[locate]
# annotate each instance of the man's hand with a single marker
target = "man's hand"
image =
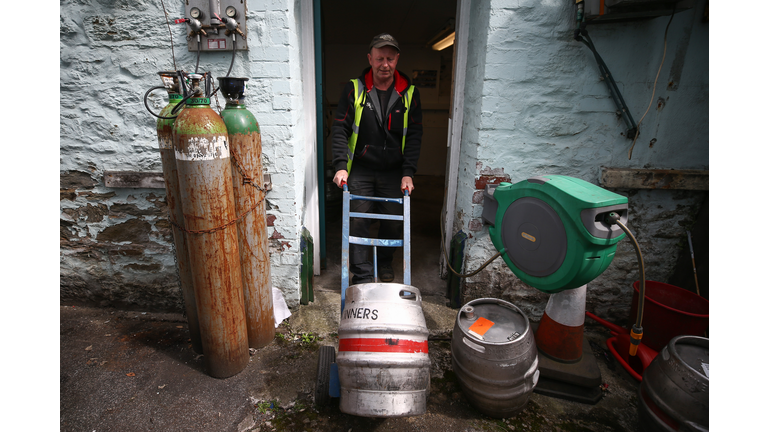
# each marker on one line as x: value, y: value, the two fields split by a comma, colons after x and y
x: 406, y: 184
x: 340, y: 177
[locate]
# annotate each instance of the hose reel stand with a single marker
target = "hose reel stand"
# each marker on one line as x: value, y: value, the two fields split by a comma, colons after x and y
x: 552, y: 233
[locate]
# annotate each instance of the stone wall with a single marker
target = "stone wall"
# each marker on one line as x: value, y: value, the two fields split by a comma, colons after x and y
x: 536, y: 105
x: 116, y: 244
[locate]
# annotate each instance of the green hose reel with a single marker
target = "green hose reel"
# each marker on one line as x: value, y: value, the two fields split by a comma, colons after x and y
x: 551, y: 231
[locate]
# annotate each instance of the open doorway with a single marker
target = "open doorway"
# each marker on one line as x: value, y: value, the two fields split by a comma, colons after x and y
x: 347, y: 28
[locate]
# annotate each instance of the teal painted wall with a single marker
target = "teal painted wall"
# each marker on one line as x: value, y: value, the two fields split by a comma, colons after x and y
x: 535, y: 105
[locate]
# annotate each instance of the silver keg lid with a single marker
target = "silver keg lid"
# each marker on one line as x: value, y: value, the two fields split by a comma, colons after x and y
x: 492, y: 321
x: 693, y: 351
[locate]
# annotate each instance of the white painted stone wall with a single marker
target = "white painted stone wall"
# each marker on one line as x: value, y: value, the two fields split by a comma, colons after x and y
x: 116, y: 246
x: 535, y: 105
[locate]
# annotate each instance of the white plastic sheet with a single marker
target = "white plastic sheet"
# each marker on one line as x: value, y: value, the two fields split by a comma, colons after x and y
x: 279, y: 306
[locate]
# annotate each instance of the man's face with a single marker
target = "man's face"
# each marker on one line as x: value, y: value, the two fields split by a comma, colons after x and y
x: 383, y: 62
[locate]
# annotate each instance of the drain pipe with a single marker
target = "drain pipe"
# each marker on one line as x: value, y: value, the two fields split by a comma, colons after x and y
x: 320, y: 116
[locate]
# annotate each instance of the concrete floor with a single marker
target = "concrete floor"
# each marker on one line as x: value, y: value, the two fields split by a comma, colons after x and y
x: 136, y: 371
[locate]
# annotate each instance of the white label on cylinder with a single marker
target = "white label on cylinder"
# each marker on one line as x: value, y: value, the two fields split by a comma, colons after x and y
x: 201, y: 148
x: 167, y: 82
x: 165, y: 142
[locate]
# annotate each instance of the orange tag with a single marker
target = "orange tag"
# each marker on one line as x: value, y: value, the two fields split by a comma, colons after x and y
x: 481, y: 326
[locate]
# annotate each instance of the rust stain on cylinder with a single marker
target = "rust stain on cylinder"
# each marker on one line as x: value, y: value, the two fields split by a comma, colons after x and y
x: 252, y: 234
x: 170, y: 175
x: 180, y: 241
x: 205, y: 183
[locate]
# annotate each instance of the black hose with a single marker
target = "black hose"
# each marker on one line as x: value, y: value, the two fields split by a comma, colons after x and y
x: 197, y: 63
x: 146, y: 104
x: 182, y: 103
x: 618, y: 99
x: 234, y: 44
x: 447, y: 260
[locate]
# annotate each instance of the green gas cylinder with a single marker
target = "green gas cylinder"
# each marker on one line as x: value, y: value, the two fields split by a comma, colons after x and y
x: 249, y: 193
x: 550, y: 229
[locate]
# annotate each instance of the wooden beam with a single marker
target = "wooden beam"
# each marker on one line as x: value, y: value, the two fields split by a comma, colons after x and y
x: 134, y: 179
x: 148, y: 180
x: 654, y: 179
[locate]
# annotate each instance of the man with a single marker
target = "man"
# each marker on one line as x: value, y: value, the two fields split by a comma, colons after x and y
x: 376, y: 138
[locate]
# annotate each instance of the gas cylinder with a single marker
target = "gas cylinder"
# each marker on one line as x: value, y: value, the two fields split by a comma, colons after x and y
x: 247, y: 181
x: 168, y: 158
x: 202, y: 155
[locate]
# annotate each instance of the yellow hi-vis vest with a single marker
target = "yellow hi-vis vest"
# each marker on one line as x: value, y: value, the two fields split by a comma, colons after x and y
x: 359, y: 96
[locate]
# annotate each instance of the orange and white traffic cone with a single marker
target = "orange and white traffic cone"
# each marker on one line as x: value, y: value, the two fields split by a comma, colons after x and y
x: 568, y: 367
x: 561, y: 331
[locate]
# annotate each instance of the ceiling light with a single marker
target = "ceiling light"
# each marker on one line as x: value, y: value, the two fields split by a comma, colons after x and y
x: 445, y: 42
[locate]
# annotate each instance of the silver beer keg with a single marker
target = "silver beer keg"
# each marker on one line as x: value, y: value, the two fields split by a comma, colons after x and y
x: 494, y: 356
x: 383, y: 358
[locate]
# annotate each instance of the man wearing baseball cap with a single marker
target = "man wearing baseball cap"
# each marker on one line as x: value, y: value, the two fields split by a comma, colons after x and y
x: 376, y: 140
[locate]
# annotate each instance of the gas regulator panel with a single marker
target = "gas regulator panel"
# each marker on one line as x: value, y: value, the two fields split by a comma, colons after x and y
x: 217, y: 24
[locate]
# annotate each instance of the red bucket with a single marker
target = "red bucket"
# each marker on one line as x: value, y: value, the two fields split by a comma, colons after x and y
x: 669, y: 311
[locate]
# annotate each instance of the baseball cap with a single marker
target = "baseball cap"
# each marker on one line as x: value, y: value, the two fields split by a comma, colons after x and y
x: 382, y: 40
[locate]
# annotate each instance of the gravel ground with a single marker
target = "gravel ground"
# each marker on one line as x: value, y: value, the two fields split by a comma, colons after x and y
x: 136, y: 371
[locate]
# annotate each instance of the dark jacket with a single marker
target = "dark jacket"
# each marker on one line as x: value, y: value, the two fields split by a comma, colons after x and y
x: 380, y: 139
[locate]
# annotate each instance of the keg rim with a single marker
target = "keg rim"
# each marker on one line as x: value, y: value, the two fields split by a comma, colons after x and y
x: 692, y: 340
x: 500, y: 302
x: 386, y: 285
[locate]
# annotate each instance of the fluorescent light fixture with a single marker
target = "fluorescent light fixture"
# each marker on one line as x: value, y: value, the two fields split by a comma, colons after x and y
x: 445, y: 42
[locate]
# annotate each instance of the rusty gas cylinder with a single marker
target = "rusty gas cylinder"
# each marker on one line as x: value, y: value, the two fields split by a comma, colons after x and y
x: 205, y: 182
x: 168, y: 157
x: 247, y: 181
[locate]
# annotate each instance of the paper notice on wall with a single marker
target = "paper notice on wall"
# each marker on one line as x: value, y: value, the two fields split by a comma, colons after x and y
x: 217, y: 44
x: 479, y: 328
x: 280, y: 307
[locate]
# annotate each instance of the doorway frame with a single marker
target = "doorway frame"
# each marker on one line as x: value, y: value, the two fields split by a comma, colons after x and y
x: 455, y: 124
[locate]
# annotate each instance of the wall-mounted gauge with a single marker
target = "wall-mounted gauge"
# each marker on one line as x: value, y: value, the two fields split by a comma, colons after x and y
x: 217, y: 25
x: 196, y: 13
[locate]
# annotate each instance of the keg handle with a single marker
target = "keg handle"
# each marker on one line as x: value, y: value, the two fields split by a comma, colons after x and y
x: 409, y: 295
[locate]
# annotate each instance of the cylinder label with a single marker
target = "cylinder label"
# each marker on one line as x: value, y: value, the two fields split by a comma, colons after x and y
x: 480, y: 327
x: 167, y: 82
x: 165, y: 142
x: 201, y: 148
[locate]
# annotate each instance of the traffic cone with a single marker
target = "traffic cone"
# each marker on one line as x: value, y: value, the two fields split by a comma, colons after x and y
x: 561, y: 331
x: 568, y: 366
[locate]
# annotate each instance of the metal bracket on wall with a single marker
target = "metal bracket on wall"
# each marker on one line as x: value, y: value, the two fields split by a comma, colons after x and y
x: 148, y: 180
x: 605, y: 75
